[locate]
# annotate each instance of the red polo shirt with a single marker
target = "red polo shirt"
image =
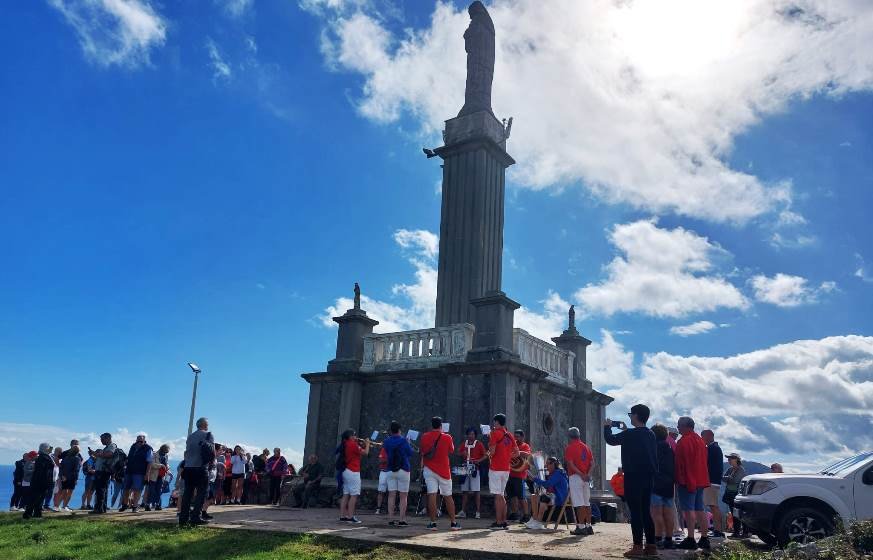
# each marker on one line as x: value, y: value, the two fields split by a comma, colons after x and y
x: 579, y: 454
x: 503, y: 443
x: 353, y: 455
x: 439, y: 461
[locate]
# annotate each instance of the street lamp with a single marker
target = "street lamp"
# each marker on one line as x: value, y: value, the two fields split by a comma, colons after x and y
x: 196, y: 369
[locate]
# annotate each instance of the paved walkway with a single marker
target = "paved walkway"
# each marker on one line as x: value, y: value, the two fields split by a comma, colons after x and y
x: 474, y: 540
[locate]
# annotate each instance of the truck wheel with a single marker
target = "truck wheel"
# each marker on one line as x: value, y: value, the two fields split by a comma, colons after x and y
x: 803, y: 525
x: 767, y: 538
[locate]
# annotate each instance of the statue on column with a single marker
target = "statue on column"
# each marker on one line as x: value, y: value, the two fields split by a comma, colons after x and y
x: 572, y: 314
x: 479, y: 44
x: 357, y: 296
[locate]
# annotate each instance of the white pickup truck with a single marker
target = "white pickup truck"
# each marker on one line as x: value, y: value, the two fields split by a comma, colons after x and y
x: 783, y: 508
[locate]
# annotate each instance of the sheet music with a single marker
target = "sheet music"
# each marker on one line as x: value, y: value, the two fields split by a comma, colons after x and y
x: 485, y: 428
x: 375, y: 435
x: 445, y: 427
x: 412, y: 435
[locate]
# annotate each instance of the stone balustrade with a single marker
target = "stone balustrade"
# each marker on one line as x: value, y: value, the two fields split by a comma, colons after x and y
x: 417, y: 349
x: 544, y: 356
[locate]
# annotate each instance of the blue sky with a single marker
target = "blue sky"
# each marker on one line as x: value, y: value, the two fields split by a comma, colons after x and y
x: 205, y: 182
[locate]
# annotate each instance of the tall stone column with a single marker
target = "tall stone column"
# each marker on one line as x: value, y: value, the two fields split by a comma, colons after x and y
x: 471, y: 226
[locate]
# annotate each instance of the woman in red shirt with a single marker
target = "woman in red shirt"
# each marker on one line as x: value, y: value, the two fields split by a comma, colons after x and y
x: 350, y: 451
x: 473, y: 453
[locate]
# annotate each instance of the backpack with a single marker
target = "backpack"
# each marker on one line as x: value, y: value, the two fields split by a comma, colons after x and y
x: 207, y: 450
x: 395, y: 459
x: 118, y: 462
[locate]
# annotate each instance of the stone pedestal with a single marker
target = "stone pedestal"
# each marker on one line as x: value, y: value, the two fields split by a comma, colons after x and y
x: 354, y: 325
x: 572, y: 341
x: 494, y: 320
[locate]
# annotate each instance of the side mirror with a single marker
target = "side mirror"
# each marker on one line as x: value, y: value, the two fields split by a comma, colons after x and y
x: 868, y: 477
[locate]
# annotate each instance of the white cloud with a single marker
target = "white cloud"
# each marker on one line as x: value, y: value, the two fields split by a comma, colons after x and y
x: 699, y: 327
x: 18, y: 438
x: 784, y: 290
x: 220, y: 68
x: 662, y: 273
x: 121, y: 32
x: 861, y: 271
x: 236, y: 8
x: 608, y: 363
x: 620, y: 101
x: 423, y: 241
x: 807, y: 401
x: 549, y: 323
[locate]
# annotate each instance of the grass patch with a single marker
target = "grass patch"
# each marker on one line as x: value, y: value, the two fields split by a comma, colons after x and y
x: 854, y: 543
x: 82, y: 538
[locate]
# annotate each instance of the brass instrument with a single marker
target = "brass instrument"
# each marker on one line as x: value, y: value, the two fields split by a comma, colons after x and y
x: 520, y: 462
x: 362, y: 442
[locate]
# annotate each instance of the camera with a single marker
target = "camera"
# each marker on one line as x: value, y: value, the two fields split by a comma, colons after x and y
x: 618, y: 424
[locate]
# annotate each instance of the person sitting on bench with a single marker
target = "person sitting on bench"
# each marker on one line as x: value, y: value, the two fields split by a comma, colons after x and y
x: 311, y: 483
x: 557, y: 487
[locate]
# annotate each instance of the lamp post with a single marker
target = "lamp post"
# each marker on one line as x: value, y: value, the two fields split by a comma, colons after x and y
x: 196, y: 371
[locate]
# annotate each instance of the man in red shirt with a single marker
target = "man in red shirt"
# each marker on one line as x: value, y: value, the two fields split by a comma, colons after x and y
x: 473, y: 453
x: 517, y: 474
x: 692, y: 476
x: 501, y: 448
x: 435, y: 450
x: 579, y: 461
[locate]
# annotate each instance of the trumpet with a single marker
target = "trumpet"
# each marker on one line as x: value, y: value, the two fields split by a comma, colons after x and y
x: 362, y: 442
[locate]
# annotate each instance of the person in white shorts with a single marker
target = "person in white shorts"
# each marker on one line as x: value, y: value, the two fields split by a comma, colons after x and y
x: 473, y: 453
x: 397, y: 454
x: 383, y: 480
x: 351, y: 476
x: 501, y: 448
x: 436, y: 447
x: 579, y: 461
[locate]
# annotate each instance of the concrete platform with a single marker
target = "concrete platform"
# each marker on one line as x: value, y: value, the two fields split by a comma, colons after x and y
x: 474, y: 540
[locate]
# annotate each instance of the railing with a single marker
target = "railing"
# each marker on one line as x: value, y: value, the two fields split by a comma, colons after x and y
x: 417, y: 349
x: 544, y: 356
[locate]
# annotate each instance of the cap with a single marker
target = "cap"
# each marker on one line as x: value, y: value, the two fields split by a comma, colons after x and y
x: 734, y: 456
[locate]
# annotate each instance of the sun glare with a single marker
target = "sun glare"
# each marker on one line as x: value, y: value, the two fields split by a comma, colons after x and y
x: 677, y: 37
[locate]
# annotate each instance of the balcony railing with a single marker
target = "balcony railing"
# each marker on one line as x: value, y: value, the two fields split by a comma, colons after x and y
x: 417, y: 349
x: 544, y: 356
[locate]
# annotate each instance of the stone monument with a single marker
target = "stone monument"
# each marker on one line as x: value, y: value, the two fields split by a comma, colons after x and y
x: 474, y: 363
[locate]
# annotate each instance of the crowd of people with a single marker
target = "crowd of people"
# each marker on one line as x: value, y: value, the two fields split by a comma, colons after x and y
x: 669, y: 481
x: 139, y: 479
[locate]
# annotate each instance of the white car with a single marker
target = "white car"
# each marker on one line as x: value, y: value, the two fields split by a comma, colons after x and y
x: 783, y: 508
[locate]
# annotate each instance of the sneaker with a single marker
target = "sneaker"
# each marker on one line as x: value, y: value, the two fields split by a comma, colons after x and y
x: 148, y: 508
x: 703, y: 543
x: 688, y: 544
x: 343, y: 519
x: 589, y: 530
x: 579, y: 532
x: 432, y: 526
x: 455, y: 526
x: 716, y: 534
x: 200, y: 521
x: 495, y: 525
x: 533, y: 524
x: 477, y: 516
x: 378, y: 511
x: 133, y: 509
x: 158, y: 508
x: 122, y: 508
x: 205, y: 515
x: 461, y: 515
x: 504, y: 526
x: 402, y: 524
x: 67, y: 509
x: 354, y: 520
x: 392, y: 523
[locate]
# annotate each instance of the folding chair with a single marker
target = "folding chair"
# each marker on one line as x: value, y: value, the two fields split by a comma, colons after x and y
x: 562, y: 516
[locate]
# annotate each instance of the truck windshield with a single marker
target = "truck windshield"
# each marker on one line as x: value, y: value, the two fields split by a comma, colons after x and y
x: 841, y: 467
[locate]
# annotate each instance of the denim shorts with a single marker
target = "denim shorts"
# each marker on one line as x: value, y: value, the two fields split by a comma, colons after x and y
x: 659, y: 501
x: 690, y: 501
x: 134, y: 482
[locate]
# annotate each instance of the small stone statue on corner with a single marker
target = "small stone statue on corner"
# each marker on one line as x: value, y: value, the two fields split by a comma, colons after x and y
x: 357, y: 296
